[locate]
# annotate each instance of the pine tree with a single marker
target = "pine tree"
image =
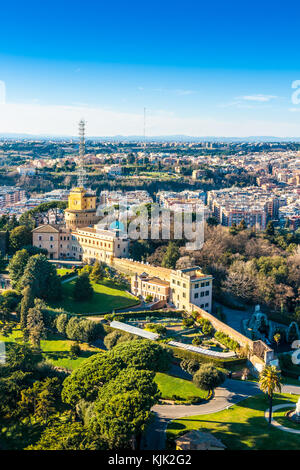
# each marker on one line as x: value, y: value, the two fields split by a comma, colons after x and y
x: 171, y: 256
x: 35, y: 323
x: 83, y: 289
x: 97, y: 273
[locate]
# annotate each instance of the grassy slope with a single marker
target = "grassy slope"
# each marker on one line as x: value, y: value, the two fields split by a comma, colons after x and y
x: 242, y: 426
x: 184, y: 389
x: 57, y: 350
x: 105, y: 299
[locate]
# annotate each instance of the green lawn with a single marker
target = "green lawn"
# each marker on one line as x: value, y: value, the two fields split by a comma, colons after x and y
x: 241, y: 427
x: 183, y: 389
x: 63, y: 271
x: 107, y: 297
x: 57, y: 350
x: 280, y: 417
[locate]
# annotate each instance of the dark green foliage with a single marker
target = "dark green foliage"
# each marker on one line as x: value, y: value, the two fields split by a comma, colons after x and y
x: 190, y: 365
x: 10, y: 299
x: 97, y: 273
x: 27, y: 302
x: 119, y: 418
x: 35, y: 323
x: 82, y: 288
x: 17, y: 266
x: 19, y: 237
x: 116, y: 337
x: 81, y: 329
x: 67, y: 436
x: 42, y: 277
x: 227, y: 341
x: 208, y: 378
x: 171, y: 256
x: 61, y: 323
x: 143, y: 354
x: 75, y: 349
x: 158, y: 328
x: 85, y: 382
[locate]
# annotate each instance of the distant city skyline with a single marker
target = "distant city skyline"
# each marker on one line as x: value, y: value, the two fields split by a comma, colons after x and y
x: 200, y: 69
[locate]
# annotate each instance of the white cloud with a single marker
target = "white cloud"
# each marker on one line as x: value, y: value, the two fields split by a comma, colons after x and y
x: 259, y: 98
x: 62, y: 120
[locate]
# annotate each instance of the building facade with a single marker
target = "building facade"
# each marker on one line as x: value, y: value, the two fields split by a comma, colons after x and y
x: 183, y: 289
x: 79, y: 238
x: 81, y: 211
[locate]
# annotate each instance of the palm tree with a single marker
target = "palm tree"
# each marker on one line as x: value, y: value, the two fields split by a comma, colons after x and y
x: 277, y: 338
x: 269, y: 382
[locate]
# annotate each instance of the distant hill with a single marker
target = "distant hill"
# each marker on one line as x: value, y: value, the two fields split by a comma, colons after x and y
x: 160, y: 138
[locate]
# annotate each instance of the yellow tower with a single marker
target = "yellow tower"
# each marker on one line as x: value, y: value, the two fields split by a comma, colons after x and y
x: 81, y: 211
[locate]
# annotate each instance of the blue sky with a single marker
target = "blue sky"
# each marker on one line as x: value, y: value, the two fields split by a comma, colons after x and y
x: 200, y: 68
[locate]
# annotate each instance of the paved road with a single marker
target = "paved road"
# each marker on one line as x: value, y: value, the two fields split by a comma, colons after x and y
x: 233, y: 391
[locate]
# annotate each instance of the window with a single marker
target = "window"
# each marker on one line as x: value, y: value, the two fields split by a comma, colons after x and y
x: 184, y: 295
x: 196, y: 296
x: 207, y: 283
x: 206, y: 305
x: 207, y: 292
x: 183, y: 284
x: 40, y: 237
x: 202, y: 284
x: 202, y: 294
x: 51, y: 238
x: 196, y: 286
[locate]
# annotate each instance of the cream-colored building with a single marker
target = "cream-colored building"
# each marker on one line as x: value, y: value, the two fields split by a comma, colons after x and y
x: 80, y: 239
x: 55, y: 239
x: 184, y: 288
x: 97, y: 243
x: 143, y: 286
x: 84, y: 244
x: 191, y: 286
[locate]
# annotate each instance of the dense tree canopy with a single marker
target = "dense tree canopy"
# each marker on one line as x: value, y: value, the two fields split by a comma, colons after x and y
x: 42, y: 277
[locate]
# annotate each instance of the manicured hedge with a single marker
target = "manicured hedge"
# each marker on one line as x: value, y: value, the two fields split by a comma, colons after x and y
x: 227, y: 341
x: 202, y: 358
x: 147, y: 313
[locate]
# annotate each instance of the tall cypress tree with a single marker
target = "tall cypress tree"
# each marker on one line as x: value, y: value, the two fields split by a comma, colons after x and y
x: 27, y: 302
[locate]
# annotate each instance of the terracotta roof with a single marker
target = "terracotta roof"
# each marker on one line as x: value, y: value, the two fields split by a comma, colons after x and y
x: 47, y: 228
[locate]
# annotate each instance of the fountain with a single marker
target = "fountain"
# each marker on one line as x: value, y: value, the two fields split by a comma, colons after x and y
x: 294, y: 415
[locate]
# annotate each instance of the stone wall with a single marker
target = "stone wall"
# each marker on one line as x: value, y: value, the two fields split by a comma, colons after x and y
x: 131, y: 267
x: 220, y: 326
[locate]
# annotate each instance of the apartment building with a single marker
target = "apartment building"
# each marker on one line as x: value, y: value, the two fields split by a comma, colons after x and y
x: 11, y: 195
x: 144, y: 285
x: 191, y: 286
x: 183, y: 289
x: 253, y: 204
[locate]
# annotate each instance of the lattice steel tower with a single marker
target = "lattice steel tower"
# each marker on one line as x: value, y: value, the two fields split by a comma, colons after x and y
x: 81, y: 167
